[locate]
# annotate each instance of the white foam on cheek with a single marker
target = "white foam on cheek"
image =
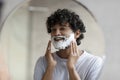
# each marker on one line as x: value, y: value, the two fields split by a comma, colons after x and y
x: 63, y: 44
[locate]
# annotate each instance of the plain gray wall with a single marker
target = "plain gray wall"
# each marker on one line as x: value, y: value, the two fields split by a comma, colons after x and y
x: 107, y: 13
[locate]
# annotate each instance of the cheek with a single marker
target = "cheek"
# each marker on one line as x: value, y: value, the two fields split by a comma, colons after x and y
x: 51, y: 34
x: 67, y: 34
x: 77, y: 35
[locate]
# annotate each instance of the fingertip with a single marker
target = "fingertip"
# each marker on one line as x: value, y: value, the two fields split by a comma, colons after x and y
x: 49, y: 45
x: 49, y: 42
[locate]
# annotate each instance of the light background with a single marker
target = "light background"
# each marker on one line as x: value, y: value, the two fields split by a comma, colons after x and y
x: 108, y: 15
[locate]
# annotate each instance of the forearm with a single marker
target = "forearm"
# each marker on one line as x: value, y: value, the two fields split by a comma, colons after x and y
x: 48, y: 73
x: 73, y: 73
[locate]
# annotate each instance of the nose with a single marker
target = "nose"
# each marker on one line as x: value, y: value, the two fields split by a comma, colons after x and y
x: 57, y: 32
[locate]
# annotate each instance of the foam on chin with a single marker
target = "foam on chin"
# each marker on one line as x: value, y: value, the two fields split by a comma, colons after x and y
x: 62, y: 44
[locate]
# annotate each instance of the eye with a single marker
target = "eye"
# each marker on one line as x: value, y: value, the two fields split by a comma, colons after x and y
x: 63, y: 28
x: 53, y: 30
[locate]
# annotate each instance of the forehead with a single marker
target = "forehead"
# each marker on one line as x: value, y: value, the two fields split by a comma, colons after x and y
x: 61, y: 25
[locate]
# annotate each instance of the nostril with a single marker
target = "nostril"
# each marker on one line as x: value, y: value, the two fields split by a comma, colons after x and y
x: 58, y: 33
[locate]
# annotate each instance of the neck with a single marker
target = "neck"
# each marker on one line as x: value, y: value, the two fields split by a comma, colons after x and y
x: 65, y: 53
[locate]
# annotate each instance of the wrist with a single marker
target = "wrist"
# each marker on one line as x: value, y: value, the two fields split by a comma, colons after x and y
x: 50, y: 67
x: 70, y: 66
x: 52, y: 64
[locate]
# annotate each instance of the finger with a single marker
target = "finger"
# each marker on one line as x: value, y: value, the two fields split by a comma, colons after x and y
x: 49, y: 46
x: 71, y: 48
x: 74, y: 49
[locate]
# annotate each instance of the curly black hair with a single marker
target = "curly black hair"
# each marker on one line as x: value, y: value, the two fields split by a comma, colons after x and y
x: 66, y: 16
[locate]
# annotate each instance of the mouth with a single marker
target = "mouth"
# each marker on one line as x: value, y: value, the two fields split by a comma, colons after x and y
x: 59, y: 38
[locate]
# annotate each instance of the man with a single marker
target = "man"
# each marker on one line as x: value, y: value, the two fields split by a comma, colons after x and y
x: 69, y: 62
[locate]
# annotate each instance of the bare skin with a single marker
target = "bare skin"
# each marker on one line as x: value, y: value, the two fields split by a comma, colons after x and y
x: 51, y: 63
x: 72, y: 53
x: 72, y: 59
x: 72, y: 56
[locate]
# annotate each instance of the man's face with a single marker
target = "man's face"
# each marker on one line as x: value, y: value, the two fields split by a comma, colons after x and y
x: 61, y: 36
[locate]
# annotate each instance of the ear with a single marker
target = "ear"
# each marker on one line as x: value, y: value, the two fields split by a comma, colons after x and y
x: 77, y: 34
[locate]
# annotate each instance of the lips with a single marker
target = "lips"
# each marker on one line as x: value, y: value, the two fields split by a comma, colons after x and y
x: 59, y: 38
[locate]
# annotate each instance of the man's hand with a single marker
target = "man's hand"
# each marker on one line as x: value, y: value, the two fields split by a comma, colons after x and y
x: 51, y: 63
x: 49, y: 57
x: 74, y: 55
